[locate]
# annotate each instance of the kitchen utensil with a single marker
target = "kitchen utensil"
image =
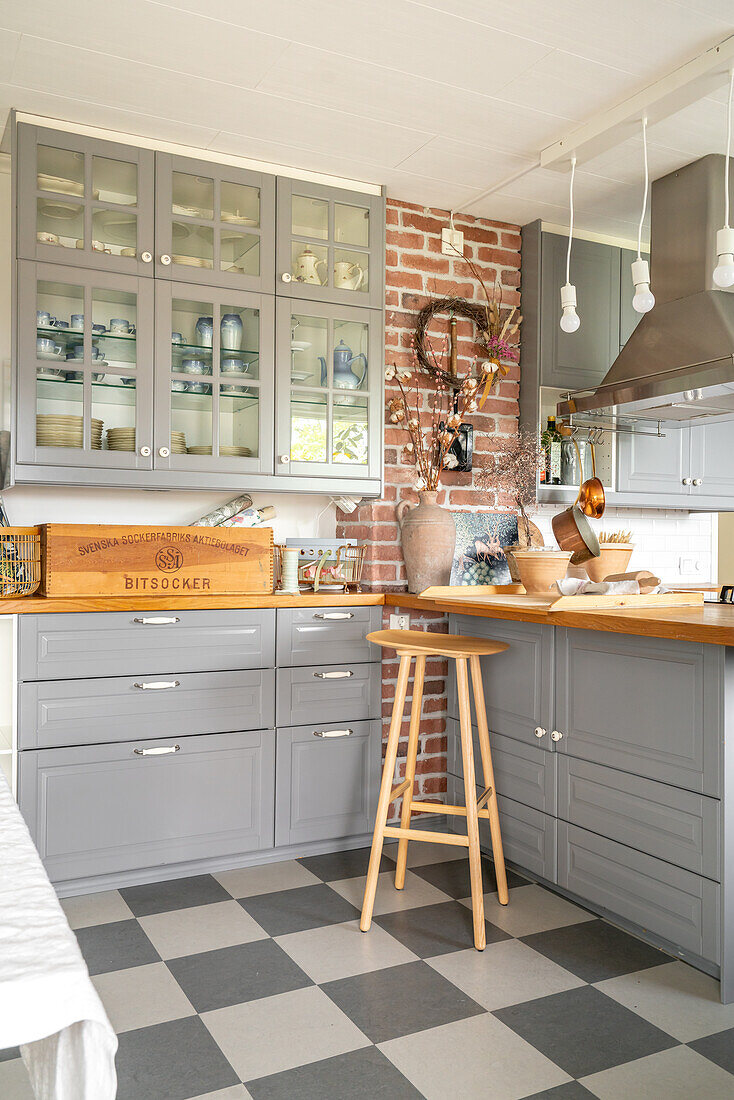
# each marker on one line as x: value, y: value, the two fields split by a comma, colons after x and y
x: 573, y: 532
x: 591, y: 499
x: 613, y: 558
x: 539, y: 569
x: 646, y: 580
x: 194, y: 366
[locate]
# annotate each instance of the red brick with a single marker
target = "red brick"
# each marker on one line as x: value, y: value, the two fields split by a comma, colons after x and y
x: 419, y: 261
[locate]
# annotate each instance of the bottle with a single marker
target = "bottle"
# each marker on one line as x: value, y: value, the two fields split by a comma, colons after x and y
x: 551, y: 443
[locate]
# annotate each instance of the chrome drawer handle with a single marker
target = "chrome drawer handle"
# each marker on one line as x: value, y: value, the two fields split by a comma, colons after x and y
x: 334, y: 615
x: 158, y: 685
x: 333, y: 733
x: 157, y: 620
x: 342, y: 674
x: 162, y: 750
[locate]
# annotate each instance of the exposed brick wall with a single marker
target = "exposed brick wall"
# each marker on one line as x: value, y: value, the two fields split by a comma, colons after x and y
x: 415, y: 272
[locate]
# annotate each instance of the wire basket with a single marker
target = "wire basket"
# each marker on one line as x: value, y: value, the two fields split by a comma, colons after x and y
x: 20, y: 560
x: 325, y: 565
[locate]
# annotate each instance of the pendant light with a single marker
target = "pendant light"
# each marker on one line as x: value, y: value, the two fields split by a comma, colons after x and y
x: 644, y: 298
x: 724, y: 270
x: 570, y: 319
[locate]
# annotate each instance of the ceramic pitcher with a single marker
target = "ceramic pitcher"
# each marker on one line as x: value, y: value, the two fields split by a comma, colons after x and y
x: 344, y: 362
x: 306, y: 268
x: 348, y: 276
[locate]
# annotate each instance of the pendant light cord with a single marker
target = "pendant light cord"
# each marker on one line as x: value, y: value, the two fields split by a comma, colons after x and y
x: 728, y: 150
x: 647, y: 188
x: 570, y: 226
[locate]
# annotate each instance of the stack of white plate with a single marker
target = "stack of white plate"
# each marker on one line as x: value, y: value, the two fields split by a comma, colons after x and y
x: 121, y: 439
x: 178, y: 443
x: 66, y: 431
x: 191, y: 261
x: 238, y: 452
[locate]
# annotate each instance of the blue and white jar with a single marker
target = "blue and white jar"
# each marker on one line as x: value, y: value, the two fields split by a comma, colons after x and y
x: 231, y: 331
x: 205, y: 331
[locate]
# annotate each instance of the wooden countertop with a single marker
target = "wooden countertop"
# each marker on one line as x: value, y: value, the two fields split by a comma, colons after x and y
x: 43, y: 605
x: 712, y: 623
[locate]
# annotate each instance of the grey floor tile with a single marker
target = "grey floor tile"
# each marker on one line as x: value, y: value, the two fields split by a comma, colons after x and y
x: 236, y: 1092
x: 14, y: 1081
x: 278, y: 1033
x: 141, y: 996
x: 115, y: 946
x: 337, y: 865
x: 9, y: 1053
x: 472, y: 1058
x: 179, y: 893
x: 295, y: 910
x: 676, y: 1074
x: 719, y: 1048
x: 595, y: 950
x: 400, y: 1000
x: 583, y: 1031
x: 233, y: 975
x: 571, y: 1091
x: 452, y: 876
x: 171, y: 1061
x: 362, y: 1075
x: 436, y: 929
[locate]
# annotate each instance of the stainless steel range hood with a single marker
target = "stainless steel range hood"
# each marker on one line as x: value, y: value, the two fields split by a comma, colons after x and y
x: 678, y: 364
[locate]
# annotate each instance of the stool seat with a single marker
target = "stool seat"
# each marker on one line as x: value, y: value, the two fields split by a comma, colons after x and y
x: 432, y: 644
x: 418, y: 645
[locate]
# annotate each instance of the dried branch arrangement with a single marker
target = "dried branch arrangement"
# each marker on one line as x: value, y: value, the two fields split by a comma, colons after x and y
x: 514, y: 471
x: 624, y: 537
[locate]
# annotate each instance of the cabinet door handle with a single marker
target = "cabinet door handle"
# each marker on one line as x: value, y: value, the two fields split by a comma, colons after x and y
x: 341, y: 674
x: 164, y: 452
x: 146, y: 257
x: 145, y: 452
x: 540, y: 732
x: 688, y: 481
x: 160, y: 750
x: 165, y: 260
x: 157, y: 620
x: 285, y: 459
x: 286, y: 277
x: 697, y: 481
x: 157, y: 685
x: 333, y: 733
x: 334, y: 615
x: 556, y: 735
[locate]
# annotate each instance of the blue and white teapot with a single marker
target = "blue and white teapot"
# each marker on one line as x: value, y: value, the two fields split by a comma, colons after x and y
x: 345, y: 377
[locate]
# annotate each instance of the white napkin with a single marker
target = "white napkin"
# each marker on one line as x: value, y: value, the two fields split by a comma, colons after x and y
x: 575, y: 586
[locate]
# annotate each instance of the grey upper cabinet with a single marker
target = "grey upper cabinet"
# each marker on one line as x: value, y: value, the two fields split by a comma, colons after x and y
x: 330, y: 244
x: 647, y: 463
x: 328, y: 390
x: 711, y: 465
x: 84, y: 202
x: 578, y: 360
x: 629, y: 318
x: 215, y: 224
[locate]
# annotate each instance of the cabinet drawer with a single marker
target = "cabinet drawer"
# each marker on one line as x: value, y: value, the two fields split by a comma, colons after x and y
x: 679, y: 907
x: 328, y: 693
x: 667, y: 822
x: 641, y: 705
x: 87, y: 712
x: 326, y: 786
x: 132, y: 643
x: 528, y: 836
x: 328, y: 635
x: 522, y: 772
x: 101, y: 809
x: 518, y: 683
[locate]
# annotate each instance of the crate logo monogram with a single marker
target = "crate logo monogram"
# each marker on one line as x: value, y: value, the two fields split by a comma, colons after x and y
x: 169, y: 559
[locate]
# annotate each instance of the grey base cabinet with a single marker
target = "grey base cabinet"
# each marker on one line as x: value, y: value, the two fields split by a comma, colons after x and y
x: 213, y: 774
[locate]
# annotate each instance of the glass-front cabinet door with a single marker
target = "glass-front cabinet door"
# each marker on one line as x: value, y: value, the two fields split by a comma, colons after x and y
x: 328, y: 390
x: 215, y: 224
x: 329, y: 244
x: 84, y: 202
x: 85, y: 368
x: 214, y: 384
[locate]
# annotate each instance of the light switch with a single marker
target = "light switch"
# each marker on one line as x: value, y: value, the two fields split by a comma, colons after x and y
x: 452, y: 241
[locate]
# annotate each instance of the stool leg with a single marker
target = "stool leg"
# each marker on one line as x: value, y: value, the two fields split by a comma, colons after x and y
x: 488, y: 770
x: 472, y: 818
x: 415, y: 725
x: 383, y: 803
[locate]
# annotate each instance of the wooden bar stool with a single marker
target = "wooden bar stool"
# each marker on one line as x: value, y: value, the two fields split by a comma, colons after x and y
x: 420, y: 644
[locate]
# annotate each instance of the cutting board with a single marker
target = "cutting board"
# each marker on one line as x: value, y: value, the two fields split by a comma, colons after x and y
x: 513, y: 596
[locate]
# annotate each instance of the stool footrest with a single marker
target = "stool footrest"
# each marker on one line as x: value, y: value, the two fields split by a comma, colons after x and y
x: 400, y: 789
x: 443, y: 808
x: 424, y: 834
x: 484, y: 797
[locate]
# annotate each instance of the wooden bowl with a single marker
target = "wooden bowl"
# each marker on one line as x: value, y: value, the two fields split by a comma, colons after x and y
x: 613, y: 558
x: 540, y: 569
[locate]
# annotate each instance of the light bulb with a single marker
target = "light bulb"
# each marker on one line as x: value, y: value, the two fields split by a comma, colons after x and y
x: 570, y: 319
x: 644, y: 298
x: 724, y: 270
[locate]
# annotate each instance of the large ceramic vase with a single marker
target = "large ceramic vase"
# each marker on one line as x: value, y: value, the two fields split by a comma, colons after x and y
x: 428, y: 536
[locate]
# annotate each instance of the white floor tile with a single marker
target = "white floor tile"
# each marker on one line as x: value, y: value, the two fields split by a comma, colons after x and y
x: 236, y: 1092
x: 201, y: 928
x: 89, y: 909
x: 676, y: 1074
x: 531, y: 909
x: 342, y: 950
x: 389, y: 900
x: 141, y: 996
x: 246, y: 882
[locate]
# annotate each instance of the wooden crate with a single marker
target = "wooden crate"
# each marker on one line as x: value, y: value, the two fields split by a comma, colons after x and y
x: 103, y: 560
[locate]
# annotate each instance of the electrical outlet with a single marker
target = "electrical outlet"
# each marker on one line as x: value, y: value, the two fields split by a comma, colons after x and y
x: 689, y: 566
x: 452, y: 241
x: 400, y: 622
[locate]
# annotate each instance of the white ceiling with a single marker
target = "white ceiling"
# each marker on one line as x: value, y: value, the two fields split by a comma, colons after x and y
x: 437, y: 99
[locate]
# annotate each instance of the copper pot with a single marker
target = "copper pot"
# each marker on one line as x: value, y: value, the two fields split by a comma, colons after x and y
x: 573, y: 532
x: 591, y: 499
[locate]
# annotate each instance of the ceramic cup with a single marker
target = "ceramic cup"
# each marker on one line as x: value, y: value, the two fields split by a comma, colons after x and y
x: 178, y: 385
x: 52, y: 371
x: 198, y: 387
x: 177, y: 338
x: 128, y: 252
x: 98, y: 329
x: 77, y: 321
x: 48, y: 347
x: 46, y: 238
x: 128, y: 381
x: 194, y: 366
x: 43, y: 318
x: 118, y: 325
x: 59, y: 324
x: 234, y: 366
x: 74, y: 375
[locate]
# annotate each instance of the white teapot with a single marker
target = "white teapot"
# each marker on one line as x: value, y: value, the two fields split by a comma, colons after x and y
x: 348, y: 276
x: 305, y: 269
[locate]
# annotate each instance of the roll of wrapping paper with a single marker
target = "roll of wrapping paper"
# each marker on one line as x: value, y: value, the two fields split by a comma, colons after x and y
x: 226, y: 511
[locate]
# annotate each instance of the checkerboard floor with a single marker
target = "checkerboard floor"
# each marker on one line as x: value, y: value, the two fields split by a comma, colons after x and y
x: 258, y: 983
